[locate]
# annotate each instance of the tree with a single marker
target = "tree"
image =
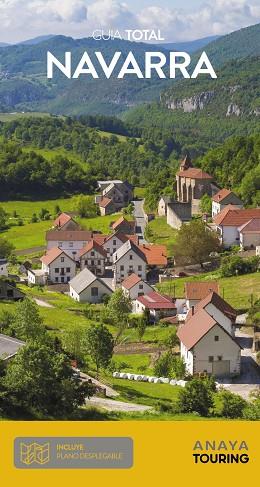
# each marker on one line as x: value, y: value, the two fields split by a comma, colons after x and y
x: 3, y: 219
x: 6, y: 248
x: 57, y: 210
x: 44, y: 214
x: 6, y: 320
x: 206, y: 204
x: 197, y: 396
x: 85, y: 206
x: 74, y: 342
x: 118, y: 310
x: 27, y: 323
x: 229, y: 405
x: 38, y: 380
x: 100, y: 345
x: 168, y: 365
x: 194, y: 243
x: 141, y: 327
x: 34, y: 218
x: 171, y: 341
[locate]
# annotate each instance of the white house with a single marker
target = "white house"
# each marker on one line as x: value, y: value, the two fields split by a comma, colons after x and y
x: 230, y: 220
x: 37, y: 277
x: 134, y: 286
x: 3, y: 267
x: 163, y: 205
x: 58, y: 265
x: 88, y: 288
x: 115, y: 241
x: 249, y: 234
x: 206, y: 347
x: 223, y: 198
x: 72, y: 242
x: 128, y: 260
x: 196, y: 291
x: 159, y: 306
x: 218, y: 309
x: 93, y: 256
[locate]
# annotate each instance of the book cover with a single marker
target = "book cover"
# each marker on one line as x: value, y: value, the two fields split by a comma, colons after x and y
x: 129, y: 241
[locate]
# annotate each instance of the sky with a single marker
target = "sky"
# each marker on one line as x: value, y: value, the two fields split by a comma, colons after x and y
x: 178, y: 20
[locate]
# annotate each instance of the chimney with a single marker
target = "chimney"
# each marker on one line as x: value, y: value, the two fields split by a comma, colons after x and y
x: 192, y: 310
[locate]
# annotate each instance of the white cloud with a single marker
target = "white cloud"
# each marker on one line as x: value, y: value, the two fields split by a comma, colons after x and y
x: 20, y: 19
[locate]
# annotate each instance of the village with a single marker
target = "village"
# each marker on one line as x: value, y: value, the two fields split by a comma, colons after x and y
x: 89, y: 267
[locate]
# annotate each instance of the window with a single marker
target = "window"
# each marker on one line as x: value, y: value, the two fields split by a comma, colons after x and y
x: 86, y: 262
x: 122, y: 268
x: 57, y: 270
x: 114, y: 242
x: 94, y: 291
x: 67, y: 269
x: 92, y: 262
x: 92, y: 254
x: 219, y: 358
x: 56, y: 279
x: 211, y: 358
x: 141, y: 286
x: 10, y: 293
x: 114, y: 250
x: 140, y: 294
x: 140, y: 268
x: 62, y: 259
x: 62, y: 279
x: 216, y: 338
x: 130, y: 257
x: 74, y: 253
x: 99, y: 262
x: 71, y: 244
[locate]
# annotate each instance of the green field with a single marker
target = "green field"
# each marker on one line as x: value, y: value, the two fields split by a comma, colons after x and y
x: 25, y: 209
x: 28, y: 236
x: 9, y: 117
x: 145, y: 393
x: 161, y: 233
x: 134, y: 363
x: 49, y: 154
x: 100, y: 223
x: 239, y: 291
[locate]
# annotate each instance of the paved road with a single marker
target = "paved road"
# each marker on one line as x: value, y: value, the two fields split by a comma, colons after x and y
x: 111, y: 405
x: 249, y: 379
x: 140, y: 220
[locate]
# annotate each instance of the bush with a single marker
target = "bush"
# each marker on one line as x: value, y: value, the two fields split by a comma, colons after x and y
x: 167, y: 407
x: 234, y: 265
x: 197, y: 396
x: 168, y: 365
x: 229, y: 405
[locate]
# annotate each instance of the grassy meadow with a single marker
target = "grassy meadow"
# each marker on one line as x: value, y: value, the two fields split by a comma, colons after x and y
x: 161, y: 233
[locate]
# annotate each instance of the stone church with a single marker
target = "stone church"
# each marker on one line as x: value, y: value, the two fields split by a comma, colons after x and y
x: 192, y: 184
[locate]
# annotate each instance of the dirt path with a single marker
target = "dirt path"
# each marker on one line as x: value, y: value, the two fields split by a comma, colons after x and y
x: 109, y: 391
x: 30, y: 251
x: 42, y: 303
x: 111, y: 405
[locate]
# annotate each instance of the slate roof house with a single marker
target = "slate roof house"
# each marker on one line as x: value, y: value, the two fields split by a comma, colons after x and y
x: 113, y: 242
x: 86, y: 287
x: 106, y: 206
x: 117, y: 193
x: 127, y: 260
x: 3, y: 267
x: 179, y: 213
x: 223, y: 198
x: 124, y: 226
x: 9, y: 347
x: 208, y: 344
x: 9, y: 291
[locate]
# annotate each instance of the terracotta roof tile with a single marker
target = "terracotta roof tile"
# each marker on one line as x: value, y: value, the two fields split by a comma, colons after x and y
x: 194, y: 173
x: 234, y: 217
x: 68, y: 235
x: 93, y: 245
x: 131, y: 281
x: 104, y: 202
x: 199, y: 290
x: 62, y: 219
x: 219, y: 303
x: 123, y: 220
x: 154, y: 300
x: 253, y: 226
x: 53, y: 254
x: 221, y: 195
x: 155, y: 254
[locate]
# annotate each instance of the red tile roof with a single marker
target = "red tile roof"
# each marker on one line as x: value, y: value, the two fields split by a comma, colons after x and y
x: 105, y: 202
x: 197, y: 327
x: 121, y: 221
x: 253, y: 226
x: 131, y: 281
x: 235, y: 217
x: 123, y: 237
x: 62, y: 219
x: 53, y: 254
x: 99, y: 238
x: 154, y: 254
x: 199, y: 290
x: 68, y: 235
x: 93, y: 245
x: 154, y: 300
x: 221, y: 195
x: 219, y: 303
x: 194, y: 173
